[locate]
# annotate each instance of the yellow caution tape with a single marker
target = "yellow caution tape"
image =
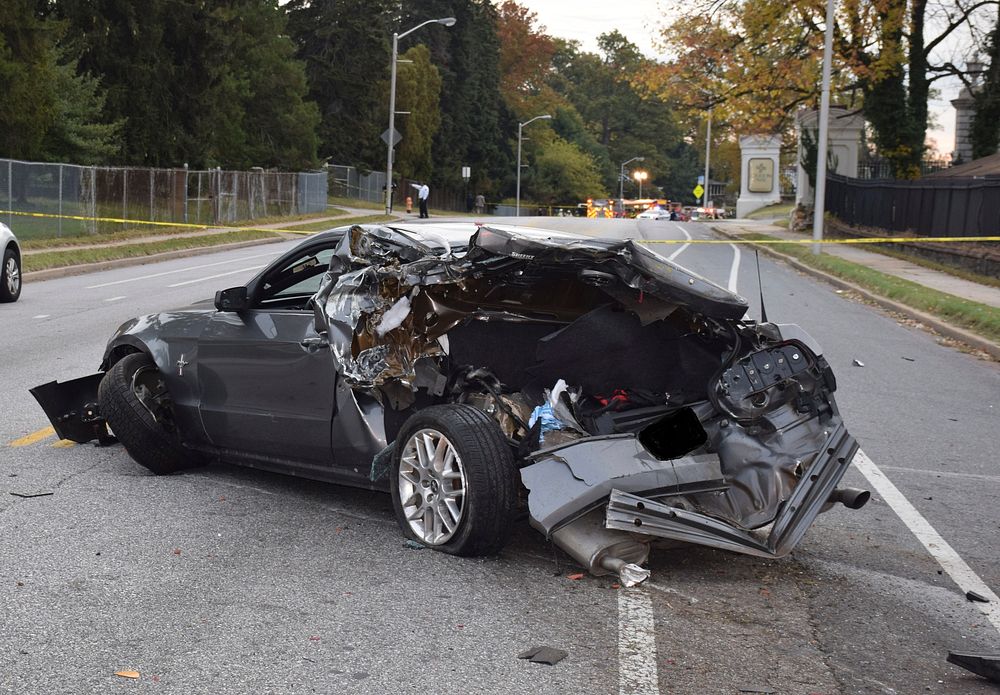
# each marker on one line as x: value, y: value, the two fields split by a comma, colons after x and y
x: 175, y: 225
x: 224, y: 228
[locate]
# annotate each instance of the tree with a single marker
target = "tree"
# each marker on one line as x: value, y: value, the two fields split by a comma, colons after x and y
x: 418, y: 91
x: 200, y: 83
x: 760, y: 60
x: 346, y: 46
x: 985, y: 131
x: 563, y: 173
x: 48, y: 111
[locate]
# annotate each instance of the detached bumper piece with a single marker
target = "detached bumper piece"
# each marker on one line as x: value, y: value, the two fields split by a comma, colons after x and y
x: 72, y: 409
x: 628, y: 512
x: 985, y: 665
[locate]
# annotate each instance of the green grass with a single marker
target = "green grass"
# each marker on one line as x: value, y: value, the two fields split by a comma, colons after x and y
x: 355, y: 203
x: 331, y: 224
x: 60, y: 259
x: 777, y: 210
x: 978, y: 318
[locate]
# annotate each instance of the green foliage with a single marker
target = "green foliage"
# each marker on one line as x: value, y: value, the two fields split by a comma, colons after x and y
x: 199, y: 83
x: 346, y: 46
x: 563, y: 173
x: 985, y: 131
x: 418, y: 90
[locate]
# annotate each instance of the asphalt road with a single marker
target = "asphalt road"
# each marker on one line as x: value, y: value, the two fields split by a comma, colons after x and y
x: 226, y: 580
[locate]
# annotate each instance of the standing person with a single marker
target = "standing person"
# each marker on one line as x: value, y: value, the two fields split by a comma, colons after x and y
x: 422, y: 192
x: 480, y: 204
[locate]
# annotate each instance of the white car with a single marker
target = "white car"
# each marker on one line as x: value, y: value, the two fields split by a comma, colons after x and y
x: 654, y: 214
x: 10, y: 270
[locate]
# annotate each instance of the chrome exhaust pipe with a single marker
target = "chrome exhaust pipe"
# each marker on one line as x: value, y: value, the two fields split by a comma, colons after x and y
x: 851, y: 497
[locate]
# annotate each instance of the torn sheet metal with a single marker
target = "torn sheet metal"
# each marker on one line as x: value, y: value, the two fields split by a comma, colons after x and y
x: 566, y: 481
x: 631, y: 512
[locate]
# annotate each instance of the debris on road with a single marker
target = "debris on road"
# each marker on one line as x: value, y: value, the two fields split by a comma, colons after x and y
x: 127, y: 674
x: 758, y: 689
x: 32, y: 494
x: 413, y: 545
x: 543, y: 655
x: 575, y: 576
x: 858, y: 363
x: 973, y: 596
x: 985, y: 665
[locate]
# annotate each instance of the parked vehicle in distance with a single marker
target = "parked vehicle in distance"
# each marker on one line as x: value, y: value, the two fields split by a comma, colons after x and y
x: 10, y: 270
x: 654, y: 214
x: 477, y: 373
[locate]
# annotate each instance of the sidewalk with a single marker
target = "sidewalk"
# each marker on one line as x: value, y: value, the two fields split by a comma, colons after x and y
x: 942, y: 282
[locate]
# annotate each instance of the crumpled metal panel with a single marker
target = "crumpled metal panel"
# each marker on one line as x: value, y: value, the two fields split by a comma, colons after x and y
x: 567, y: 481
x: 628, y: 512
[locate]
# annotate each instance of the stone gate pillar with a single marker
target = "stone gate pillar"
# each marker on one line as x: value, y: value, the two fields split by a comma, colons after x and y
x: 844, y: 146
x: 759, y: 178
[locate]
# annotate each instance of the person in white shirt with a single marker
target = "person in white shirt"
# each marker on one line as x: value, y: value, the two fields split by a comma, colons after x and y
x: 422, y: 192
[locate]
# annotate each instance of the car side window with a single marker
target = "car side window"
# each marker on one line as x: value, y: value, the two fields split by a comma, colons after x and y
x: 291, y: 285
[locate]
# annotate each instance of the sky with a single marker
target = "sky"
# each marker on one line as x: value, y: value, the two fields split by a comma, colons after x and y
x: 640, y: 20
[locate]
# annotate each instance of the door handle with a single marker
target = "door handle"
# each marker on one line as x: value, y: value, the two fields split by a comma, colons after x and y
x: 314, y: 343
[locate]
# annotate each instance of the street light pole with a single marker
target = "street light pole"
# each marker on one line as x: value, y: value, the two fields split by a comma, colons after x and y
x: 708, y: 154
x: 446, y: 21
x: 520, y: 127
x: 621, y: 178
x: 819, y: 205
x: 640, y: 176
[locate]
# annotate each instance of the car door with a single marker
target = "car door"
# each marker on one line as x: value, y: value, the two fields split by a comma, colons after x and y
x: 267, y: 379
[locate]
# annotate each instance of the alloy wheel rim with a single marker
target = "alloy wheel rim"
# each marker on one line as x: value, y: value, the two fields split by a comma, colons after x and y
x: 432, y: 486
x: 13, y: 276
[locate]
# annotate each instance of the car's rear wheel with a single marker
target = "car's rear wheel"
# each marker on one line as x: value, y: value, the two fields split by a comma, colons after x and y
x: 454, y: 484
x: 135, y: 403
x: 10, y: 277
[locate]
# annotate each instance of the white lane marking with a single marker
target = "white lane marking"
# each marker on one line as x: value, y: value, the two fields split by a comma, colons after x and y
x: 945, y: 474
x: 115, y: 299
x: 212, y: 277
x: 938, y: 547
x: 637, y: 673
x: 677, y: 253
x: 181, y: 270
x: 41, y: 316
x: 734, y: 271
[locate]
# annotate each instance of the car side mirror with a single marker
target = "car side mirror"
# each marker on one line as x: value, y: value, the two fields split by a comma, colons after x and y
x: 233, y: 299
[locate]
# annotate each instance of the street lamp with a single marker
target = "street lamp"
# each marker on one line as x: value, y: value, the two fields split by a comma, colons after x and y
x: 708, y: 152
x: 621, y: 179
x: 520, y: 127
x: 640, y: 176
x: 446, y: 21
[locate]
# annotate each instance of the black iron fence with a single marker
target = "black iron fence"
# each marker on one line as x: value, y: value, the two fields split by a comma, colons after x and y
x: 926, y: 207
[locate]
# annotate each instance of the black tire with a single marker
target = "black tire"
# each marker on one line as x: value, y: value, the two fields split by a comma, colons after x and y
x: 490, y: 482
x: 10, y: 276
x: 147, y: 441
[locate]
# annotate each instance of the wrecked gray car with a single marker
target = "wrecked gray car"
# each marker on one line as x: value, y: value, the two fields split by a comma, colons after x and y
x: 478, y: 373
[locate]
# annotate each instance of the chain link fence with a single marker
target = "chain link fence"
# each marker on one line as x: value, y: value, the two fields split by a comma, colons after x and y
x: 125, y: 194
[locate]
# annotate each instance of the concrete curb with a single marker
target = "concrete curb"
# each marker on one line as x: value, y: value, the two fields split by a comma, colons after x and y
x: 66, y: 271
x: 945, y: 329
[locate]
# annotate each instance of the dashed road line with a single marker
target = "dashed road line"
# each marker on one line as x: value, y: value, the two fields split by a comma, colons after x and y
x: 180, y: 270
x: 115, y: 299
x: 34, y: 437
x: 213, y: 277
x: 950, y: 561
x: 637, y: 670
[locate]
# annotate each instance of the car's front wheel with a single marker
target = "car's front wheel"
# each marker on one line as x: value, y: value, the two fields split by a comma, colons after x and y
x: 10, y: 277
x: 135, y: 403
x: 454, y: 484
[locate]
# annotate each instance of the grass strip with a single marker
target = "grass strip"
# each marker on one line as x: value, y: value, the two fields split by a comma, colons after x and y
x: 777, y: 210
x: 63, y: 258
x: 981, y: 319
x: 355, y: 203
x: 333, y: 224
